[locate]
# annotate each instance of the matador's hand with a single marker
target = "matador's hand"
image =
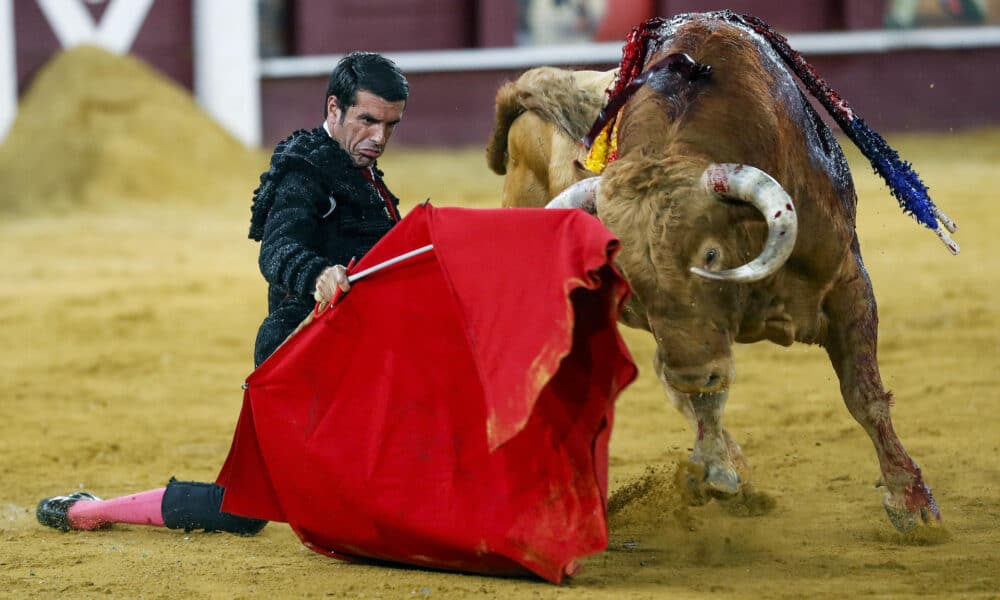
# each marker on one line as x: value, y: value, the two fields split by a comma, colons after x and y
x: 327, y: 283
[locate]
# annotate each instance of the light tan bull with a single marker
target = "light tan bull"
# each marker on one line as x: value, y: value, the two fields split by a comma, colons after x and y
x: 540, y: 120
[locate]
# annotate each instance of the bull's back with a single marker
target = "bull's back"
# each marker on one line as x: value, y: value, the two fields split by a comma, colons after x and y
x: 749, y: 111
x: 752, y: 111
x: 807, y: 148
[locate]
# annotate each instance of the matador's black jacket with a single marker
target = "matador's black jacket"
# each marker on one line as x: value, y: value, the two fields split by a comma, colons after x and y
x: 313, y: 209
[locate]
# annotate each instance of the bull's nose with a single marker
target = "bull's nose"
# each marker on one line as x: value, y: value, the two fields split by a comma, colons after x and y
x: 714, y: 379
x: 698, y: 380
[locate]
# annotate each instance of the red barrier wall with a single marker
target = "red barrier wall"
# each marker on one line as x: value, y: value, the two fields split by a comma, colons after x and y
x: 895, y: 91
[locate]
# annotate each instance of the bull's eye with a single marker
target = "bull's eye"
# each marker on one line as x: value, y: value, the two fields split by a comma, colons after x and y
x: 711, y: 256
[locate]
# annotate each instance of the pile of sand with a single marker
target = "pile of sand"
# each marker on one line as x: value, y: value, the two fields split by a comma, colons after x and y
x: 98, y: 128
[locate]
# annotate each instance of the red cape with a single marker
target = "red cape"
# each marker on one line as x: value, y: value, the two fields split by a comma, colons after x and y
x: 453, y: 410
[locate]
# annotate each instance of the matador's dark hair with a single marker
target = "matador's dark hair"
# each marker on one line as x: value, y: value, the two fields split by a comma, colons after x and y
x: 366, y: 71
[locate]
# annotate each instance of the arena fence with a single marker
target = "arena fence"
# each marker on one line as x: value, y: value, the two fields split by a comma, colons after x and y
x: 922, y: 79
x: 476, y: 59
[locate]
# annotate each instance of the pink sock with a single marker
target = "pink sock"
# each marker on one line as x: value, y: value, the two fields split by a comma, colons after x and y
x: 138, y: 509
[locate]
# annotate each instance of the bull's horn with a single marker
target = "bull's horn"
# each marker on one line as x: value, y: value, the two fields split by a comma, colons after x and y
x: 751, y: 185
x: 582, y: 194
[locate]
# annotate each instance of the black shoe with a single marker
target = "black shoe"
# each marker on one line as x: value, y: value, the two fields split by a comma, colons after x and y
x: 53, y: 512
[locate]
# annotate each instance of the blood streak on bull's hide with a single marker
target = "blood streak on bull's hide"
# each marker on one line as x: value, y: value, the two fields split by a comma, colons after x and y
x: 821, y: 145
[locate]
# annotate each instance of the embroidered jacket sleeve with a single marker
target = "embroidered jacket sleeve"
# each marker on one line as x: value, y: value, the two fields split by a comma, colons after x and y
x: 289, y: 256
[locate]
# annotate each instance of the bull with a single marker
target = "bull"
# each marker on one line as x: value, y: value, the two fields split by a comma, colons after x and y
x: 540, y: 119
x: 735, y: 207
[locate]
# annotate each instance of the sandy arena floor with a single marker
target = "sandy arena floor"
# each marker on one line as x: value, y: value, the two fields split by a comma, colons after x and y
x: 126, y: 332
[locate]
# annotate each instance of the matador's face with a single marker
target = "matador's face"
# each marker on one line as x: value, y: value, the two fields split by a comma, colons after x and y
x: 364, y: 129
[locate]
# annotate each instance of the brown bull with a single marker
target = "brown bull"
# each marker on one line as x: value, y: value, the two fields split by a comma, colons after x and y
x: 736, y: 213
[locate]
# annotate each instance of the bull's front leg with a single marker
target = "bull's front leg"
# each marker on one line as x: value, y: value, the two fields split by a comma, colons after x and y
x: 725, y: 472
x: 851, y: 343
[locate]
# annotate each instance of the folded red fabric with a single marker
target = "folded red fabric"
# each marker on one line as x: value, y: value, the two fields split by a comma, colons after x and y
x: 453, y: 410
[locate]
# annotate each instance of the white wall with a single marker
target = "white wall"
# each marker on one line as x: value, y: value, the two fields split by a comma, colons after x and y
x: 8, y: 67
x: 226, y: 65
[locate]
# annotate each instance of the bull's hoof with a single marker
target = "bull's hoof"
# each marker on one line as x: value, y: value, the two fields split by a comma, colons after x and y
x: 721, y: 481
x: 715, y: 480
x: 913, y: 509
